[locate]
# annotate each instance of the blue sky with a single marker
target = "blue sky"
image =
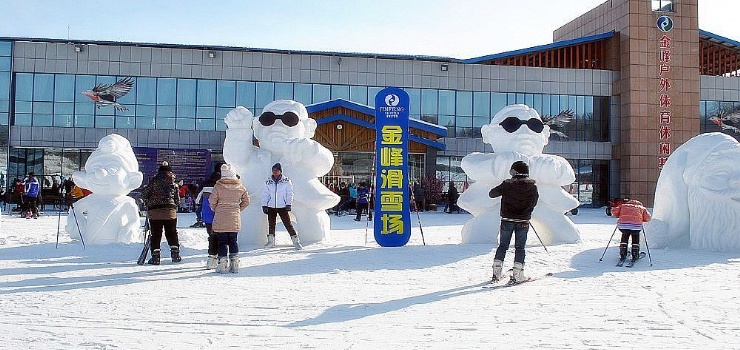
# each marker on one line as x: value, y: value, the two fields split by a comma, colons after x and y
x: 450, y: 28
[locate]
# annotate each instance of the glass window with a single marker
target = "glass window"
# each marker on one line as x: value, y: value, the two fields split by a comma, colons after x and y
x: 82, y: 83
x: 303, y: 93
x: 206, y: 92
x: 464, y: 103
x: 43, y: 108
x: 166, y: 91
x: 84, y: 120
x: 498, y: 102
x: 537, y: 102
x: 23, y: 119
x: 4, y: 86
x: 464, y: 126
x: 84, y: 107
x: 166, y: 111
x: 64, y: 88
x: 221, y: 112
x: 186, y: 92
x: 146, y: 91
x: 663, y: 5
x: 185, y: 124
x: 104, y: 121
x: 144, y: 122
x: 206, y: 112
x: 5, y: 48
x: 146, y: 111
x: 125, y: 122
x: 358, y: 94
x: 265, y: 94
x: 372, y: 91
x: 187, y: 111
x: 481, y: 104
x: 165, y: 123
x: 545, y: 101
x: 245, y: 94
x: 24, y: 87
x: 283, y: 91
x: 64, y: 108
x: 129, y: 99
x: 340, y: 91
x: 226, y: 93
x: 63, y: 120
x: 479, y: 121
x: 205, y: 124
x: 23, y: 107
x: 43, y: 87
x: 429, y: 102
x: 414, y: 100
x: 4, y: 64
x: 446, y: 102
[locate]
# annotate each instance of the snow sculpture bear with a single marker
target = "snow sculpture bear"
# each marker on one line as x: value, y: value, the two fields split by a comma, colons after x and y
x: 516, y: 132
x: 697, y: 199
x: 284, y: 133
x: 107, y: 215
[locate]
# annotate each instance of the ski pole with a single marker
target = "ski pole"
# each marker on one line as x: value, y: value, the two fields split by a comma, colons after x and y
x: 74, y: 213
x: 607, y: 243
x: 418, y: 217
x: 538, y: 237
x: 644, y: 234
x: 59, y: 218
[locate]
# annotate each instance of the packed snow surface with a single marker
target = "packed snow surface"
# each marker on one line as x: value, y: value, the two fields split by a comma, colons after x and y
x: 352, y: 294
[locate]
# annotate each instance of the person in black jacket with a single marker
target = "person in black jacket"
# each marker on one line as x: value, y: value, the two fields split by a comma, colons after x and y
x: 161, y: 197
x: 518, y: 198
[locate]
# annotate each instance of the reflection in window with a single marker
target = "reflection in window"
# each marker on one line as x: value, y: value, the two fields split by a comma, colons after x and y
x: 663, y: 5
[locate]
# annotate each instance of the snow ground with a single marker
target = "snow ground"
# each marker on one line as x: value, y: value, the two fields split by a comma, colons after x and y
x: 346, y: 294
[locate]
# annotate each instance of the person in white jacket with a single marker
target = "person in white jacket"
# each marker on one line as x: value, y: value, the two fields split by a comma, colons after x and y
x: 277, y: 199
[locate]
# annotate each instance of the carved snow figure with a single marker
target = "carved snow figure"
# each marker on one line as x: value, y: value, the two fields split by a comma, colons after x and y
x: 107, y: 215
x: 284, y: 133
x: 697, y: 199
x: 516, y: 132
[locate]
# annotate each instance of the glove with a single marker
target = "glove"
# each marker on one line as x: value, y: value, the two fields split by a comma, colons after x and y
x: 287, y: 207
x: 264, y: 210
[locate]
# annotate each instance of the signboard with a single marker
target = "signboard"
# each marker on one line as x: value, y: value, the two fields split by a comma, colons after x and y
x: 665, y: 113
x: 188, y: 165
x: 392, y: 225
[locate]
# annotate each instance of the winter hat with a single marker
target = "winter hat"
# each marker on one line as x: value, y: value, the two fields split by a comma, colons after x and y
x: 165, y: 166
x: 519, y: 168
x: 228, y: 172
x: 278, y: 167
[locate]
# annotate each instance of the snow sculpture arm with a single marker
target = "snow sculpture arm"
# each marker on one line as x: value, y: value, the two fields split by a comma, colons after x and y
x: 310, y: 155
x: 551, y: 169
x: 238, y: 147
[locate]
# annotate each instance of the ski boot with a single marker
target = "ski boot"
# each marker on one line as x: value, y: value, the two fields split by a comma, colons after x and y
x: 517, y: 275
x: 270, y: 241
x: 175, y: 253
x: 223, y: 264
x: 212, y: 262
x: 198, y: 224
x: 296, y: 242
x: 498, y: 265
x: 234, y: 263
x: 635, y: 252
x: 154, y: 260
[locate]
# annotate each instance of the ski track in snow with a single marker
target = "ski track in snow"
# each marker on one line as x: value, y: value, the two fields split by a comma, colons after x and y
x: 345, y: 294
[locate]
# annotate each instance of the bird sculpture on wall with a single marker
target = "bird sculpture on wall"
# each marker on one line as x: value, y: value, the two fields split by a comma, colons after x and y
x: 105, y: 95
x: 558, y: 122
x: 727, y: 121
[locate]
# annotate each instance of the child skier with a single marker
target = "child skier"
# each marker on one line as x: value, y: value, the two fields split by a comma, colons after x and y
x: 631, y: 215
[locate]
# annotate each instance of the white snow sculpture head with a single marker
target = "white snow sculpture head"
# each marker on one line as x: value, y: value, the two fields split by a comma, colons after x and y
x: 517, y: 128
x: 282, y: 120
x: 697, y: 199
x: 112, y: 169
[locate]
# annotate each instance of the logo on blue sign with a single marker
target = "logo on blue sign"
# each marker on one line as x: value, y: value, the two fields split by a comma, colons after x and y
x: 392, y: 100
x: 665, y: 23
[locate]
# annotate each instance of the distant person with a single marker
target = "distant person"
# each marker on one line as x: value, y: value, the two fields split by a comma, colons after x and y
x: 418, y: 192
x: 363, y: 202
x: 277, y: 199
x: 518, y: 198
x: 161, y: 196
x: 631, y: 215
x: 452, y: 196
x: 31, y: 192
x: 228, y: 199
x: 207, y: 217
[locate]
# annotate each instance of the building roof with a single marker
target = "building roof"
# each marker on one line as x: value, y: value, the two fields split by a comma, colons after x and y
x: 718, y: 39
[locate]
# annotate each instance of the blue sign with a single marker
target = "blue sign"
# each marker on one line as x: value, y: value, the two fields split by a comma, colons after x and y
x: 392, y: 221
x: 665, y: 23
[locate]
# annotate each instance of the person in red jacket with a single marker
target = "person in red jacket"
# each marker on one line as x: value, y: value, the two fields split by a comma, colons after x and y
x: 631, y: 215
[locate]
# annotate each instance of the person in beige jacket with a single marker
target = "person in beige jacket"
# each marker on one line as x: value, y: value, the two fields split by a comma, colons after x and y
x: 228, y: 199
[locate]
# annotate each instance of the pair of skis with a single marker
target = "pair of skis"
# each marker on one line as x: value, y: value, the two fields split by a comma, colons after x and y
x: 631, y: 262
x: 147, y: 241
x: 511, y: 282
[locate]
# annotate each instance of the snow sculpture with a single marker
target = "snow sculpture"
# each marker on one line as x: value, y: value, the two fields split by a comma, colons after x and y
x: 107, y: 215
x: 697, y: 199
x: 516, y: 132
x: 284, y: 133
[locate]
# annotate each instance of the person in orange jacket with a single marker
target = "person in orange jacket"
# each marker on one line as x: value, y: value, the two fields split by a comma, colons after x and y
x: 631, y: 216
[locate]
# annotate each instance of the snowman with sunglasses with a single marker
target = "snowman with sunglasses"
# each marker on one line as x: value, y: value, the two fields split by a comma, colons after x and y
x: 284, y: 133
x: 517, y: 133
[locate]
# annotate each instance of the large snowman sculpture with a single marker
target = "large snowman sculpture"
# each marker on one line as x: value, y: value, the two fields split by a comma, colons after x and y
x: 517, y: 133
x: 284, y: 133
x: 107, y: 215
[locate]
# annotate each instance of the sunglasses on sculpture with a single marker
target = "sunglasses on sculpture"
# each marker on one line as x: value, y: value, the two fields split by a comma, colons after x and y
x: 288, y: 118
x: 512, y: 124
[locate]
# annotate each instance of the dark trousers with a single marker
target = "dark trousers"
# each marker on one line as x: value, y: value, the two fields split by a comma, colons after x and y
x: 272, y: 214
x: 31, y: 205
x: 362, y: 207
x: 170, y: 232
x: 626, y: 234
x: 227, y: 244
x: 212, y: 240
x: 519, y: 229
x: 199, y: 212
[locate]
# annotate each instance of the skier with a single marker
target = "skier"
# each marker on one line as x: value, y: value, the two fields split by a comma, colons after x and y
x: 518, y: 198
x: 207, y: 217
x: 362, y: 201
x: 161, y: 198
x: 31, y: 190
x: 228, y: 199
x: 277, y: 199
x: 631, y: 215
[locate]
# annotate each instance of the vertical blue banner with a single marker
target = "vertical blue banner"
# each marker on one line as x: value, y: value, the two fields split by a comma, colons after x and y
x: 392, y: 220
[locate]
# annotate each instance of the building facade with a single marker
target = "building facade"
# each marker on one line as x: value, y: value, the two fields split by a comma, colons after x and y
x: 606, y: 69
